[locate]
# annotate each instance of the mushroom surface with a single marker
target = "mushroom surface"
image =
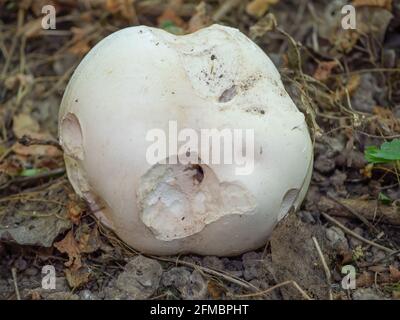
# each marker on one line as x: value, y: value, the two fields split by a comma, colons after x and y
x: 141, y: 82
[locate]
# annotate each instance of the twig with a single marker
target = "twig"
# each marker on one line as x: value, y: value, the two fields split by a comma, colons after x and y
x: 14, y: 275
x: 264, y: 292
x: 355, y: 235
x: 225, y: 7
x: 46, y: 174
x: 229, y: 278
x: 355, y: 213
x: 326, y: 268
x: 29, y: 141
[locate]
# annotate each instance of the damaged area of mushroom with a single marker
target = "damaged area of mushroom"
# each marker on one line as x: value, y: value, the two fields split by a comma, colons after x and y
x: 177, y: 201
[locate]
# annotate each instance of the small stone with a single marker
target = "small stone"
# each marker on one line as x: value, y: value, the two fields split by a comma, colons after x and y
x: 324, y: 164
x: 31, y: 271
x: 140, y: 278
x: 378, y: 255
x: 355, y: 242
x: 191, y: 285
x: 196, y: 288
x: 306, y: 216
x: 176, y: 277
x: 20, y: 264
x: 252, y: 264
x: 213, y: 263
x: 366, y: 294
x: 233, y: 267
x: 62, y: 296
x: 337, y: 239
x: 87, y: 295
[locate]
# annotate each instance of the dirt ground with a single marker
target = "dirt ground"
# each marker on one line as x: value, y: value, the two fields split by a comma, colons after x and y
x: 346, y: 82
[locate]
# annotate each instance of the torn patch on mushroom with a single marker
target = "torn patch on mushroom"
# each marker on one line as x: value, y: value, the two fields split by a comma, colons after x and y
x: 177, y: 201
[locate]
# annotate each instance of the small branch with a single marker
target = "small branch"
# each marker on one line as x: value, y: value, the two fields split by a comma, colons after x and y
x: 43, y: 175
x: 28, y: 141
x: 364, y: 220
x: 14, y: 275
x: 229, y: 278
x: 355, y: 235
x: 365, y: 208
x: 325, y: 266
x: 264, y: 292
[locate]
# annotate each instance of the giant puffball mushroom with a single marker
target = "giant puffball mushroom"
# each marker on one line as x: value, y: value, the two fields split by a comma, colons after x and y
x: 140, y: 79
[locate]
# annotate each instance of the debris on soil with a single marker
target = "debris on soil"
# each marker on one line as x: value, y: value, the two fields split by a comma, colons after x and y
x: 347, y: 84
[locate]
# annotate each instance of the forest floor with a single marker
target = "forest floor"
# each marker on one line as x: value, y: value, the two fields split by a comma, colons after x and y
x: 347, y: 83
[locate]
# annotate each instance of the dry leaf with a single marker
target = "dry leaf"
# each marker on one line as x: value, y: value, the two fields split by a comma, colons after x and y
x: 90, y: 241
x: 384, y: 121
x: 24, y: 124
x: 350, y: 87
x: 366, y: 279
x: 19, y: 79
x: 37, y: 150
x: 69, y: 246
x: 74, y: 212
x: 324, y: 70
x: 215, y: 289
x: 257, y: 8
x: 394, y: 274
x: 77, y: 278
x: 387, y: 4
x: 81, y: 43
x: 32, y: 29
x: 170, y: 15
x: 263, y: 25
x: 200, y: 19
x: 123, y: 7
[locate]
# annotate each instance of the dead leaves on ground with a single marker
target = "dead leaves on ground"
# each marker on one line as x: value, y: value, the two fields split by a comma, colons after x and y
x: 87, y: 241
x: 257, y: 8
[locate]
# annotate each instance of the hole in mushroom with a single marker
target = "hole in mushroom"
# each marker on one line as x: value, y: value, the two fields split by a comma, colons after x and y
x: 287, y: 202
x: 228, y: 94
x: 71, y: 136
x: 178, y: 200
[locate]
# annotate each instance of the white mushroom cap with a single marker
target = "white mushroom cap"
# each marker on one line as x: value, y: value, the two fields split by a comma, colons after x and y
x: 139, y: 79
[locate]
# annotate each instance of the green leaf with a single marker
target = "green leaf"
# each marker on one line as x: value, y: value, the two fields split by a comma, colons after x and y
x: 170, y: 26
x: 30, y: 172
x: 388, y: 152
x: 384, y: 198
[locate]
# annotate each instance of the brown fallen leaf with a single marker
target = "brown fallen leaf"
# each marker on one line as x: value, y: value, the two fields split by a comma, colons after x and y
x: 350, y: 87
x: 257, y: 8
x: 90, y: 241
x: 77, y: 278
x: 366, y: 208
x: 394, y: 273
x: 324, y: 70
x: 215, y: 289
x: 200, y: 19
x: 125, y: 8
x: 74, y: 212
x: 263, y: 25
x: 387, y: 4
x: 170, y: 15
x: 366, y: 279
x: 37, y: 150
x: 24, y: 124
x: 69, y: 246
x: 384, y: 121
